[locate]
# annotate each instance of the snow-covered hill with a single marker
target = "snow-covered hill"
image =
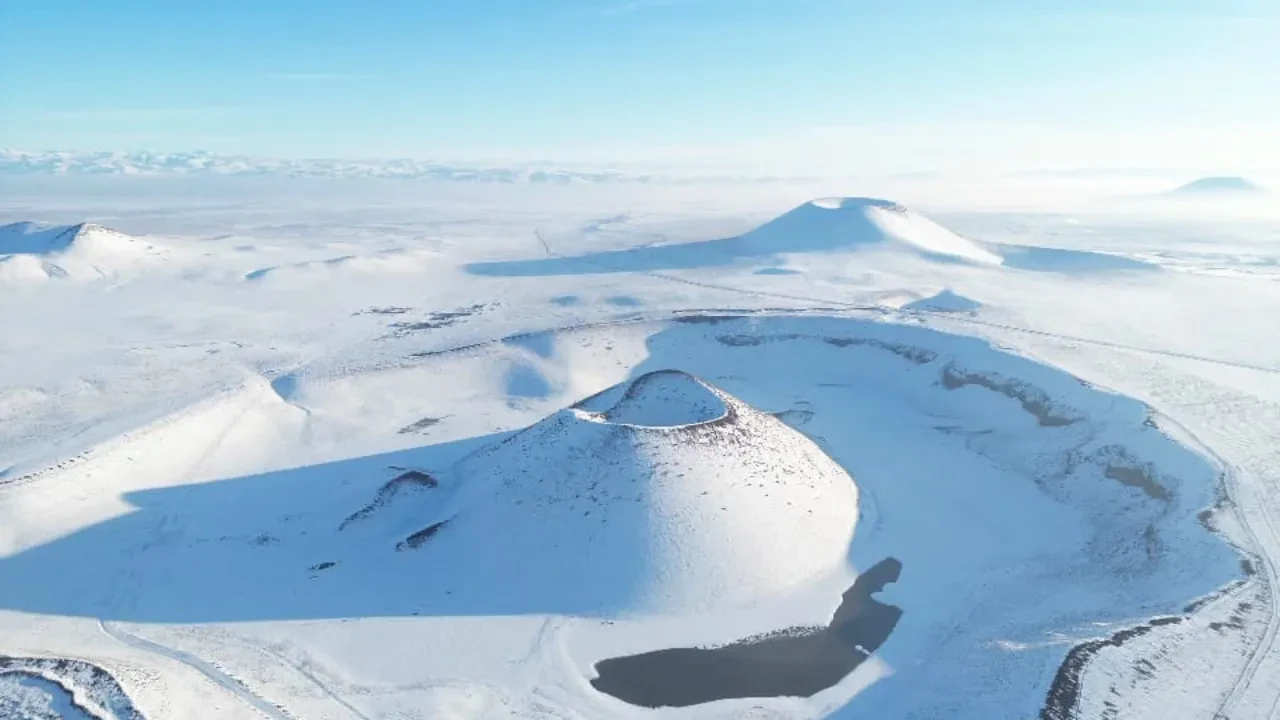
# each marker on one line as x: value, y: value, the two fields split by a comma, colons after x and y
x: 840, y: 223
x: 663, y: 494
x: 1225, y: 186
x: 828, y: 232
x: 35, y: 252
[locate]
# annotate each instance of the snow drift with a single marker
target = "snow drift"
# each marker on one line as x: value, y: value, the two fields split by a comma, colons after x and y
x: 383, y: 263
x: 845, y: 222
x: 663, y: 494
x: 36, y: 252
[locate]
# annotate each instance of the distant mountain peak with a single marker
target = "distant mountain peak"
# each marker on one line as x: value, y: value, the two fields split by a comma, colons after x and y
x: 199, y: 164
x: 1219, y: 185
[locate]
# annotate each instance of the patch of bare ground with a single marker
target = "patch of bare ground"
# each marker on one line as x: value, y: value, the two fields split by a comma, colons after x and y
x: 1122, y: 467
x: 1033, y: 400
x: 1234, y: 621
x: 419, y: 425
x: 420, y: 538
x: 436, y: 320
x: 912, y: 353
x: 796, y: 417
x: 408, y: 481
x: 705, y: 319
x: 384, y: 311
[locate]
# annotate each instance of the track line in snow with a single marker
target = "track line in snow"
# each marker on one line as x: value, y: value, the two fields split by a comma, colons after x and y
x: 208, y: 669
x: 1234, y: 490
x: 1246, y: 493
x: 311, y: 678
x: 1099, y: 343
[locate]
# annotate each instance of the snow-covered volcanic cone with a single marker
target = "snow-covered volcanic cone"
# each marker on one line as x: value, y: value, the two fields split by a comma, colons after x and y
x: 844, y: 223
x: 662, y: 494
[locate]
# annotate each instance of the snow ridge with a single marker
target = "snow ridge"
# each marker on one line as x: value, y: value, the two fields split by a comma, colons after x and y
x: 16, y: 162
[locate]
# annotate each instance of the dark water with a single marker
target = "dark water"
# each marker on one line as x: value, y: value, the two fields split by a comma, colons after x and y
x: 797, y: 662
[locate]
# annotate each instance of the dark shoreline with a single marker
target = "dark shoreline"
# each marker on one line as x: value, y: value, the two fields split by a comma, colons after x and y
x: 1064, y: 692
x: 67, y: 673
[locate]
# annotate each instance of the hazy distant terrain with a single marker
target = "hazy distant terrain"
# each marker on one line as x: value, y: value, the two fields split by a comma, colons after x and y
x: 1220, y: 186
x: 581, y: 445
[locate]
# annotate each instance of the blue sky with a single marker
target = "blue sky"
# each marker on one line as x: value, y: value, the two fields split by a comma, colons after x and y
x: 793, y: 82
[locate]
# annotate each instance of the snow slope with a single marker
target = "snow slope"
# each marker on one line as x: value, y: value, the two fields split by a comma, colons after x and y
x: 36, y: 252
x: 381, y: 494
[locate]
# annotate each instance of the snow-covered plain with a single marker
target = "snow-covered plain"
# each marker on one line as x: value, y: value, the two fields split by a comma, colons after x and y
x: 314, y: 449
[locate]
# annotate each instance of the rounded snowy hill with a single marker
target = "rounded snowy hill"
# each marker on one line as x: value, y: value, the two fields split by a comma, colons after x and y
x: 662, y: 494
x: 847, y: 222
x: 875, y: 230
x: 35, y: 251
x: 1219, y: 186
